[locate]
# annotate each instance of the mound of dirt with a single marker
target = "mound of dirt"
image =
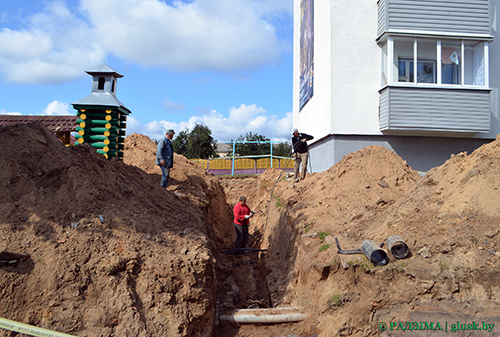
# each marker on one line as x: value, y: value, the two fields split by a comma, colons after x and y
x: 187, y: 181
x: 101, y: 249
x: 110, y: 252
x: 447, y: 219
x: 139, y: 151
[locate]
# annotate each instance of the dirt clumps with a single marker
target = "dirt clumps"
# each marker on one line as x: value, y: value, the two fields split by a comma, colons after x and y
x: 110, y: 250
x: 113, y: 253
x: 447, y: 218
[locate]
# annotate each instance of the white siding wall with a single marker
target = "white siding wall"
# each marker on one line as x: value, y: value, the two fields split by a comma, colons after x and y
x: 355, y: 67
x: 494, y: 57
x: 315, y: 117
x: 347, y: 68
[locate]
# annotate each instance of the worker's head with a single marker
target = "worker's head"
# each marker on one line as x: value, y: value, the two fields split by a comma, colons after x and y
x: 295, y: 132
x: 243, y: 200
x: 170, y: 133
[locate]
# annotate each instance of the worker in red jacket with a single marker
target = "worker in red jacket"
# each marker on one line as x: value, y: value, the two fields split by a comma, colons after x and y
x: 242, y: 214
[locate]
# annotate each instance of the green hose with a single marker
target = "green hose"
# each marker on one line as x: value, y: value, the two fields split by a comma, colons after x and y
x: 27, y: 329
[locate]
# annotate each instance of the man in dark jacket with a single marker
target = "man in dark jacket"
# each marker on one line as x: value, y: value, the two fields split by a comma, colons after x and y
x: 165, y: 156
x: 300, y: 153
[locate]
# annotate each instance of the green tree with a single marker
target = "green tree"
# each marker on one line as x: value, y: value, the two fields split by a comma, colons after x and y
x: 250, y: 149
x: 282, y: 149
x: 201, y: 144
x: 180, y: 142
x: 198, y: 143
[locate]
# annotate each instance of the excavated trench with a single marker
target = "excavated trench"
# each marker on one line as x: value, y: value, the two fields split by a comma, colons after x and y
x: 242, y: 281
x: 241, y: 284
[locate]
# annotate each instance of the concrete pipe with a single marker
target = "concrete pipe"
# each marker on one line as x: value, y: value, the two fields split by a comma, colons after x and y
x: 270, y: 315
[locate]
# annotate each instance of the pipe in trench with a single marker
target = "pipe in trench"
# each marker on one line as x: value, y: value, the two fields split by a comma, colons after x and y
x: 268, y: 315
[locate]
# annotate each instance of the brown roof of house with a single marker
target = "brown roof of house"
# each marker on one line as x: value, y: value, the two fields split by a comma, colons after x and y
x: 54, y: 123
x: 223, y: 147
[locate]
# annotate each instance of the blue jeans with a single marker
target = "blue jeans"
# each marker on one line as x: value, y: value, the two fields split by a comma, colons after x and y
x: 165, y: 173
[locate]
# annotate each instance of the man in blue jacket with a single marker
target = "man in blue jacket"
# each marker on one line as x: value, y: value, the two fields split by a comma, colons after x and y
x: 165, y: 156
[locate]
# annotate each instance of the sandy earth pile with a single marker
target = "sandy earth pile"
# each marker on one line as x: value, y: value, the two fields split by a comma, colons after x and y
x: 241, y: 282
x: 112, y: 253
x: 449, y: 219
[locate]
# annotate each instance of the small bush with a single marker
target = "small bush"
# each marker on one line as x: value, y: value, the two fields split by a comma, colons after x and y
x: 336, y: 301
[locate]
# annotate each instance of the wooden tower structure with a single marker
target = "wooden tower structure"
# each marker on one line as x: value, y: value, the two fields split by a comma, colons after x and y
x: 101, y: 117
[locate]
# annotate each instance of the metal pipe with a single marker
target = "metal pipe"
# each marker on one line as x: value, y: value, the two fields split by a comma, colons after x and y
x: 242, y: 250
x: 397, y: 246
x: 373, y: 252
x: 268, y: 315
x: 341, y: 251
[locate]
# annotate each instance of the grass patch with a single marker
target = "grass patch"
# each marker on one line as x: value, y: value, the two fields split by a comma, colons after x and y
x: 308, y: 226
x: 324, y: 247
x: 204, y: 203
x: 403, y: 214
x: 336, y: 301
x: 365, y: 265
x: 400, y: 270
x: 278, y: 202
x: 322, y: 235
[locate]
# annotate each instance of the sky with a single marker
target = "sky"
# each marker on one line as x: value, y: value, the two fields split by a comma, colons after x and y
x: 226, y: 64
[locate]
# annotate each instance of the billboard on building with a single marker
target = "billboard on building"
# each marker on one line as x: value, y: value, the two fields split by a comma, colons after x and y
x: 306, y: 51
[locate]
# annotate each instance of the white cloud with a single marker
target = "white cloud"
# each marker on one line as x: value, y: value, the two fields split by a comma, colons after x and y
x: 173, y: 107
x: 5, y: 112
x: 241, y: 120
x: 3, y: 17
x: 223, y: 35
x: 199, y: 35
x: 57, y: 108
x: 55, y: 46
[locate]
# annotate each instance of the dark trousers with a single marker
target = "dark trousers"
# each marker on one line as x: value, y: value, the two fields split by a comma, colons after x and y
x: 241, y: 236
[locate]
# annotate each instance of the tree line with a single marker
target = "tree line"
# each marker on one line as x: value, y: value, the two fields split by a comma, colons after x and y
x: 199, y: 143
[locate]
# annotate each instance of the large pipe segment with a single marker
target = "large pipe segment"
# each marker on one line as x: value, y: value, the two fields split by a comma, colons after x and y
x: 267, y: 315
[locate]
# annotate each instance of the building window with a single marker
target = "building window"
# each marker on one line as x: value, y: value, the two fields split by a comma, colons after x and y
x: 434, y: 61
x: 113, y: 86
x: 406, y: 51
x: 451, y: 70
x: 384, y: 59
x: 426, y: 72
x: 100, y: 86
x: 474, y: 63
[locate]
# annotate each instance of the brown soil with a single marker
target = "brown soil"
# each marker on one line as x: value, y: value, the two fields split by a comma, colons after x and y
x: 103, y: 250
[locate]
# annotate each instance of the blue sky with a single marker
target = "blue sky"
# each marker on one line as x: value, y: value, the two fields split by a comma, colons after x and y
x: 226, y: 64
